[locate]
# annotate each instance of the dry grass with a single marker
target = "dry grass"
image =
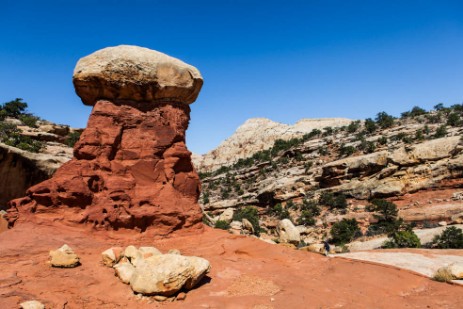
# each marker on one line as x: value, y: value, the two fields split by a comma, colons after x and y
x: 443, y: 274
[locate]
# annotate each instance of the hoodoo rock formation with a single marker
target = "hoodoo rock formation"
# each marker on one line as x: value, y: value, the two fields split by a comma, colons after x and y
x: 131, y: 168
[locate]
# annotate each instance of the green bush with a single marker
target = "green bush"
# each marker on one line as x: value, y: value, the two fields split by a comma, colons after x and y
x: 403, y: 239
x: 74, y: 137
x: 346, y: 150
x: 306, y: 218
x: 450, y: 238
x: 344, y: 231
x: 384, y: 120
x: 370, y: 125
x: 454, y: 120
x: 382, y: 140
x: 388, y: 221
x: 29, y: 120
x: 333, y: 201
x: 13, y: 108
x: 223, y: 225
x: 280, y: 212
x: 353, y: 126
x: 440, y: 131
x: 251, y: 214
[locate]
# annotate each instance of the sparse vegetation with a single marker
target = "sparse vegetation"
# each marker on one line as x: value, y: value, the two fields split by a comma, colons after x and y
x: 450, y: 238
x: 344, y: 231
x: 223, y: 225
x: 443, y: 274
x: 251, y: 214
x: 403, y: 239
x: 337, y: 201
x: 72, y: 138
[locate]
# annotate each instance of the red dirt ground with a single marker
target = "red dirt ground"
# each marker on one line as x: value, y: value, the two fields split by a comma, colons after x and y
x: 246, y: 273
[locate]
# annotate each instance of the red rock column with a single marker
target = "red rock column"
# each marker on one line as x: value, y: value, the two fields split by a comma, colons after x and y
x: 131, y: 168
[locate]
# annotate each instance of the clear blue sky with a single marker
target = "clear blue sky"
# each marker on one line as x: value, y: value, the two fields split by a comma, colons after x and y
x: 284, y: 60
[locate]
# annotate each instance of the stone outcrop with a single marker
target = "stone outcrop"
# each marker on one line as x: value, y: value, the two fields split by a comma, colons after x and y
x: 20, y: 169
x: 131, y: 168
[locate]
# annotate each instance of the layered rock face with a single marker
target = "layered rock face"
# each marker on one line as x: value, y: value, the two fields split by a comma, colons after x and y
x: 131, y: 168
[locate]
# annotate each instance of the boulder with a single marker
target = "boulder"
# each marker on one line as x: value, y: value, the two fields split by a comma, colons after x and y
x: 166, y: 274
x: 227, y: 215
x: 247, y: 225
x: 124, y: 270
x: 31, y: 304
x: 149, y: 251
x: 64, y: 257
x: 287, y: 232
x: 111, y: 256
x: 456, y: 269
x: 135, y: 73
x: 131, y: 168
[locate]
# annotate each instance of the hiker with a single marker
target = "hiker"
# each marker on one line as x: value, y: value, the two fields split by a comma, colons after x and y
x: 327, y: 247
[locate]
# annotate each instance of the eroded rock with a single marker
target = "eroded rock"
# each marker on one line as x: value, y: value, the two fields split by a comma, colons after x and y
x: 131, y: 168
x: 31, y: 304
x: 287, y: 232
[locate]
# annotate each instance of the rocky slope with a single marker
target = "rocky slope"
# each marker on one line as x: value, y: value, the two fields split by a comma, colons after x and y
x: 259, y: 134
x: 361, y: 161
x: 22, y: 168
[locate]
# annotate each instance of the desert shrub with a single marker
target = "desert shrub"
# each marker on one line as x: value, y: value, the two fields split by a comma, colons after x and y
x: 280, y: 212
x: 308, y: 165
x: 344, y: 231
x: 443, y: 274
x: 251, y: 214
x: 327, y: 131
x: 388, y: 221
x: 384, y: 120
x: 439, y: 106
x: 29, y: 120
x: 306, y: 218
x: 223, y: 225
x: 353, y: 126
x: 337, y: 201
x: 454, y: 120
x: 403, y: 239
x: 434, y: 118
x: 346, y: 150
x: 419, y: 136
x: 382, y: 140
x: 370, y: 125
x: 205, y: 197
x: 417, y: 111
x: 73, y: 137
x: 13, y: 108
x: 312, y: 206
x: 323, y: 151
x: 309, y: 210
x: 450, y: 238
x: 440, y: 131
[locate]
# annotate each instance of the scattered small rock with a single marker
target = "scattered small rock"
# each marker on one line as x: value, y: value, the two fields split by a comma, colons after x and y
x: 457, y: 196
x: 111, y: 256
x: 64, y: 257
x: 181, y: 296
x: 31, y: 304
